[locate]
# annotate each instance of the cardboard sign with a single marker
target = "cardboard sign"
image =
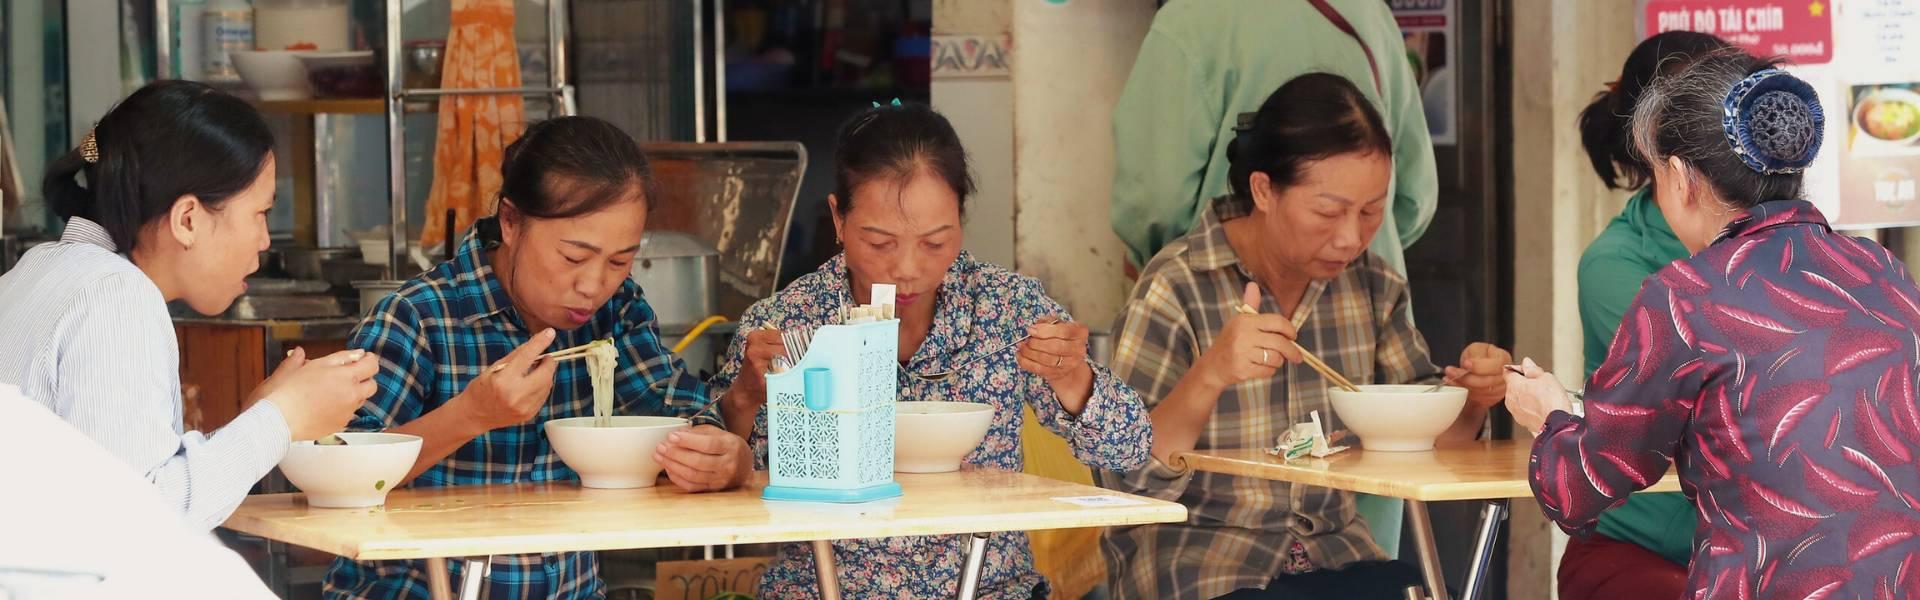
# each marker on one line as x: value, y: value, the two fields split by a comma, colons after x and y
x: 704, y: 579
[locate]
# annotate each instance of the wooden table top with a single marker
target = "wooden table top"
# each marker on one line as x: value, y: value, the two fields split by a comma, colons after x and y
x: 1473, y: 471
x: 535, y: 518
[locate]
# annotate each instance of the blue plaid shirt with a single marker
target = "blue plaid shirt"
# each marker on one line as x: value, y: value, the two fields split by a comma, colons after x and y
x: 434, y: 336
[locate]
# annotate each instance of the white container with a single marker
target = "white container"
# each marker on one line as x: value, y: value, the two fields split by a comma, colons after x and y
x: 618, y: 456
x: 190, y: 40
x: 227, y: 26
x: 934, y: 437
x: 316, y: 25
x: 356, y: 475
x: 273, y: 75
x: 1397, y: 418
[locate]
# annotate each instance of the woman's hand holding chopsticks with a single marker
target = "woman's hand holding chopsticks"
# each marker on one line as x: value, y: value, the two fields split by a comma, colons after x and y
x: 1251, y: 346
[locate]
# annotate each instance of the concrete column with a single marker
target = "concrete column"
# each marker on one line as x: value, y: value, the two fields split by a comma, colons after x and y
x: 1564, y: 50
x: 1072, y: 61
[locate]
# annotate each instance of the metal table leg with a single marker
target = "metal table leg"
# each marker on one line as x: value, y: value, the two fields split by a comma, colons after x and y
x: 278, y: 578
x: 1429, y: 555
x: 1490, y: 517
x: 473, y: 577
x: 970, y: 578
x: 828, y: 576
x: 437, y: 586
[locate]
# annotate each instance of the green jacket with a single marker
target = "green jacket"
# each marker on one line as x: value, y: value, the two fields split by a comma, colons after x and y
x: 1635, y: 245
x: 1204, y: 63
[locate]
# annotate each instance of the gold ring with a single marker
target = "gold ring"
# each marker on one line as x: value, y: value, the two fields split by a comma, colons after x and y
x: 1264, y: 357
x: 1057, y: 360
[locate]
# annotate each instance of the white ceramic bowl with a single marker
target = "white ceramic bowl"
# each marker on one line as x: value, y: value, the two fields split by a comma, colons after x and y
x: 933, y: 437
x: 356, y: 475
x: 273, y: 74
x: 1397, y: 418
x: 619, y: 456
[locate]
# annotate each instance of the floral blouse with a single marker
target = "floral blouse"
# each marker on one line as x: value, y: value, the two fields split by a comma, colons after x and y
x: 980, y: 307
x: 1775, y: 370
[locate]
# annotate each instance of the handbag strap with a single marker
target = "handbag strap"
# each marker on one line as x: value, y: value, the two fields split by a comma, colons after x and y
x: 1341, y: 23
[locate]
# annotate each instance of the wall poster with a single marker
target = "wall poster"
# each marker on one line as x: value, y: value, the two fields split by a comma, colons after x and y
x: 1431, y: 29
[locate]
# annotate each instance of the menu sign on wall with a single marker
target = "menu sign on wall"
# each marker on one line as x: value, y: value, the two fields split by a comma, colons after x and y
x: 1863, y: 57
x: 1802, y: 31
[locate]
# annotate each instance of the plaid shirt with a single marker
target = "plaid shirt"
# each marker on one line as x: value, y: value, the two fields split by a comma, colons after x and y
x: 1239, y: 529
x: 434, y: 336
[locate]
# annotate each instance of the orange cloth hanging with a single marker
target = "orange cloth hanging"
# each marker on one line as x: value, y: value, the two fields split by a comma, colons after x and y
x: 474, y: 130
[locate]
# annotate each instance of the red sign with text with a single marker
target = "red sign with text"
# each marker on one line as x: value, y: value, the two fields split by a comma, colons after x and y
x: 1799, y: 30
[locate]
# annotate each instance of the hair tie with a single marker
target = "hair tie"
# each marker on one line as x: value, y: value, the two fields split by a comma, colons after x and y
x: 1774, y: 122
x: 90, y: 149
x: 896, y: 102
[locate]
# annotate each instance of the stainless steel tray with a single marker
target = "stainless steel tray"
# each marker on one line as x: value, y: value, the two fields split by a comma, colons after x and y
x: 269, y: 308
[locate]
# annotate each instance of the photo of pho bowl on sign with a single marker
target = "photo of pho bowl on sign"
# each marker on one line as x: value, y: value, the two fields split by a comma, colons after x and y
x: 1887, y: 115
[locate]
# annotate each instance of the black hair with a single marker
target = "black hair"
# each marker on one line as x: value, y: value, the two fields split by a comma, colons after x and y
x: 1606, y: 128
x: 1681, y: 116
x: 1311, y: 117
x: 565, y: 167
x: 167, y: 140
x: 895, y: 142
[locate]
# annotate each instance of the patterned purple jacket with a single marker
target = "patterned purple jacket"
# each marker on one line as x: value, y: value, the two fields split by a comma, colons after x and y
x: 1776, y: 369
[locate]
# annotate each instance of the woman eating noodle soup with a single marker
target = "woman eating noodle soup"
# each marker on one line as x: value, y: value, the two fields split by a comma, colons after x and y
x: 459, y: 348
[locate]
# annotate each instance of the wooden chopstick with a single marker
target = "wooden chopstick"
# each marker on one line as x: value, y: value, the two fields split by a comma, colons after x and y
x: 579, y: 351
x: 1311, y: 360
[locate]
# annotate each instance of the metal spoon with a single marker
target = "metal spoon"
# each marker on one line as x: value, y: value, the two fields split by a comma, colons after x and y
x: 943, y: 375
x: 1438, y: 386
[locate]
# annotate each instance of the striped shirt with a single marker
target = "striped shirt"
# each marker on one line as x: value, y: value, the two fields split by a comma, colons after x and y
x: 88, y: 335
x: 434, y: 336
x: 1239, y: 530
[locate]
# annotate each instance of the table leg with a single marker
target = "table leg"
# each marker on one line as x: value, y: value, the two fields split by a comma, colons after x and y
x: 828, y: 576
x: 474, y: 578
x: 970, y: 578
x: 278, y: 579
x: 1490, y: 517
x: 1422, y: 524
x: 437, y: 585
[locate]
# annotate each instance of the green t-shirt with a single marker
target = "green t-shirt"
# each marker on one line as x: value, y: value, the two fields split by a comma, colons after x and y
x: 1635, y: 245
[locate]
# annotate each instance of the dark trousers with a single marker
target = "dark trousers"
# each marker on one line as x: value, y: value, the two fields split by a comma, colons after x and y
x: 1596, y: 567
x: 1377, y: 580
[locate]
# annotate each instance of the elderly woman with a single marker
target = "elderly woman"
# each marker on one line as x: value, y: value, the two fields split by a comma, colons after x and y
x: 1774, y: 366
x: 901, y: 186
x: 1311, y: 186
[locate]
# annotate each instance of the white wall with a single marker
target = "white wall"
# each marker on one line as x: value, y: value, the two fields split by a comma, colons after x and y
x: 973, y: 87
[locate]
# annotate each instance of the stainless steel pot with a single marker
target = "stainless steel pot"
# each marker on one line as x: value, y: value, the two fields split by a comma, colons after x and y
x: 1100, y: 346
x: 680, y: 275
x: 372, y: 291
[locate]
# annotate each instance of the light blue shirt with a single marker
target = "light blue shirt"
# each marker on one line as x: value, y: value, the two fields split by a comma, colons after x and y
x: 87, y: 334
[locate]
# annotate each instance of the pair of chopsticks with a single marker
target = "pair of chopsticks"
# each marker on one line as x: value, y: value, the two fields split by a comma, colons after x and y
x: 1312, y: 361
x: 575, y: 352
